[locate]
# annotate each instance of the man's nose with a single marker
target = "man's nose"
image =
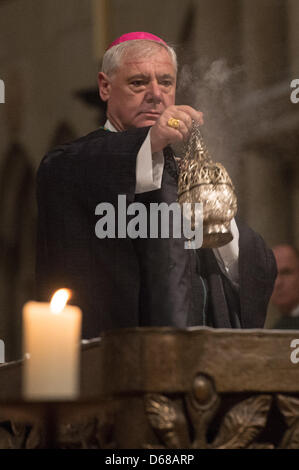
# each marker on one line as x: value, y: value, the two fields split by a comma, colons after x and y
x: 154, y: 93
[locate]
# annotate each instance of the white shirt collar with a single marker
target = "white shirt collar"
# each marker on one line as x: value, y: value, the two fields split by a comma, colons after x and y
x: 109, y: 126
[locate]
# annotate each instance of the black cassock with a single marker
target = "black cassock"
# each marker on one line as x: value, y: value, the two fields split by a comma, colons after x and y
x: 123, y: 282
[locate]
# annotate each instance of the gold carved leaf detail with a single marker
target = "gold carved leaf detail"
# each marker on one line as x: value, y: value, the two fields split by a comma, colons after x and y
x: 243, y: 423
x: 162, y: 417
x: 289, y: 408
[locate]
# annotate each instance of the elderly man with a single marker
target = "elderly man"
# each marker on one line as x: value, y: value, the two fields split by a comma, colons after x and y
x: 142, y: 281
x: 286, y: 289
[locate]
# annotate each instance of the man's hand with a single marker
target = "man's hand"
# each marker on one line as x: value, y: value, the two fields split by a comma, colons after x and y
x: 163, y: 135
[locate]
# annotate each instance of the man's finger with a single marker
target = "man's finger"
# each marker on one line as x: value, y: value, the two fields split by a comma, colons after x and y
x: 185, y: 121
x: 182, y: 131
x: 193, y: 113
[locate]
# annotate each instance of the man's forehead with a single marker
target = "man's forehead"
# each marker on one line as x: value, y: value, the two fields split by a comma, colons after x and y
x: 157, y: 58
x: 157, y: 54
x: 145, y: 66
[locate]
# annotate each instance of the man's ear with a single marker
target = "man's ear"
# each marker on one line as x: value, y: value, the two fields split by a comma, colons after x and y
x: 104, y: 84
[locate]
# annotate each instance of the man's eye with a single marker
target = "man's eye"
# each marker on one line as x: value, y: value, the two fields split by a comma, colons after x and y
x: 166, y: 83
x: 137, y: 83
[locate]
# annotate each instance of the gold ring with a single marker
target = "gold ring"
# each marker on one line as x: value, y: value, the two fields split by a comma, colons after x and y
x: 174, y: 123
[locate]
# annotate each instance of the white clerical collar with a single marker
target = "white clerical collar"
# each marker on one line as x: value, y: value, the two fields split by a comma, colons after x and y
x: 109, y: 126
x: 295, y: 312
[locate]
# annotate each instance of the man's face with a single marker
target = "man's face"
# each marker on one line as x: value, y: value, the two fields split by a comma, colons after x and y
x: 286, y: 290
x: 140, y: 90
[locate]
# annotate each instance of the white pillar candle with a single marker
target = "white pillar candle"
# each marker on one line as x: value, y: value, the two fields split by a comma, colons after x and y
x: 51, y: 343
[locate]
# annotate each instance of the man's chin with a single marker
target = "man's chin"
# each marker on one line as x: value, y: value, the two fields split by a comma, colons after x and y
x: 146, y: 122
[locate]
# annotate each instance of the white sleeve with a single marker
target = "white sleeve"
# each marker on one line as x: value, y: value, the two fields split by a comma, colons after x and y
x: 228, y: 256
x: 149, y: 168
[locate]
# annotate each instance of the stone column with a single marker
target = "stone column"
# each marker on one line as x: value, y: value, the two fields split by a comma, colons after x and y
x: 293, y: 47
x: 217, y: 29
x: 295, y: 205
x: 293, y: 37
x: 100, y: 17
x: 267, y: 195
x: 216, y: 85
x: 264, y: 62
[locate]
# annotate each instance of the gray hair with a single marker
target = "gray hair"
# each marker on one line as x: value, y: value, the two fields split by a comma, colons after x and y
x: 141, y: 47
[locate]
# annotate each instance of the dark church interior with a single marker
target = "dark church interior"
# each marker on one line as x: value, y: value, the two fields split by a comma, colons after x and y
x: 153, y: 386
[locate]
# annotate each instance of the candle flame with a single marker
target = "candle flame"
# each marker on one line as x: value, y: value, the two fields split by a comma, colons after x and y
x: 59, y: 300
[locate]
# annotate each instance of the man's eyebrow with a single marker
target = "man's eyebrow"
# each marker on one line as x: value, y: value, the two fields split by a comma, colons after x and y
x: 166, y: 76
x: 139, y: 76
x: 143, y: 76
